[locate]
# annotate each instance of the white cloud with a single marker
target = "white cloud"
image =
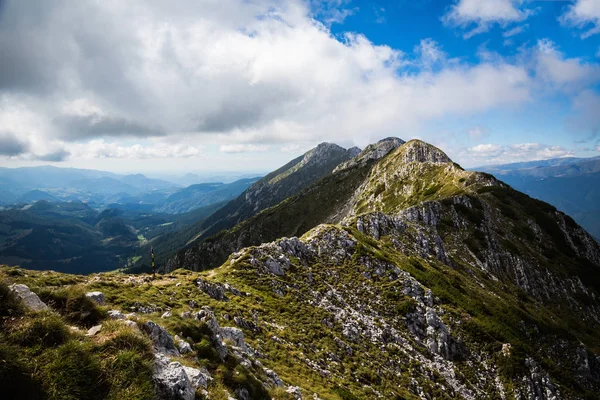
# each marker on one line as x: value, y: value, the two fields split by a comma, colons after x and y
x: 515, y: 31
x: 482, y: 14
x: 241, y: 73
x: 555, y: 70
x: 102, y: 149
x: 487, y: 154
x: 242, y: 148
x: 430, y: 53
x: 585, y: 15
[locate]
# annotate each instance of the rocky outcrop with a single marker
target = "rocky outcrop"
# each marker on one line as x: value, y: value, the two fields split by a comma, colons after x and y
x: 162, y: 340
x: 372, y: 152
x: 199, y: 378
x: 171, y: 380
x: 29, y: 299
x: 97, y: 297
x: 116, y: 314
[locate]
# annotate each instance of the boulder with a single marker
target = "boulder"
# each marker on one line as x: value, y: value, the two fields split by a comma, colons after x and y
x: 294, y: 391
x: 166, y: 314
x: 116, y: 314
x: 183, y: 346
x: 162, y: 340
x: 198, y: 377
x: 171, y: 380
x: 235, y: 335
x: 30, y: 299
x: 274, y: 267
x: 94, y: 330
x: 272, y: 375
x: 213, y: 290
x: 97, y: 297
x: 133, y: 325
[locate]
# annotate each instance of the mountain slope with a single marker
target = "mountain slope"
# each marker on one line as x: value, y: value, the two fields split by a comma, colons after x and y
x: 278, y: 185
x: 570, y: 184
x: 202, y: 195
x: 438, y: 283
x: 324, y: 201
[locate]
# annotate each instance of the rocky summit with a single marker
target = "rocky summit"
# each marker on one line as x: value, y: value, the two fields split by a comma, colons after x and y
x: 398, y: 275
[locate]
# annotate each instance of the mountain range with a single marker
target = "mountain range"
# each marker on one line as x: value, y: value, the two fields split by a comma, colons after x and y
x: 570, y: 184
x: 101, y: 189
x: 386, y: 273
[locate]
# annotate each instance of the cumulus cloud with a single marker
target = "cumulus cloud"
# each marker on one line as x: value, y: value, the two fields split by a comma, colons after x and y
x: 102, y: 149
x: 242, y: 73
x: 487, y: 154
x: 430, y: 54
x: 477, y: 16
x: 242, y: 148
x: 11, y: 145
x: 78, y: 127
x: 585, y: 15
x: 554, y: 69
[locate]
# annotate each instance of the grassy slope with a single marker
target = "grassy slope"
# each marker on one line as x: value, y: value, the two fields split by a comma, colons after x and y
x: 292, y: 217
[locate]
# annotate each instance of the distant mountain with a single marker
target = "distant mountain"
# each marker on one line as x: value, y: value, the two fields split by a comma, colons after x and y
x: 202, y: 195
x: 570, y: 184
x: 36, y: 195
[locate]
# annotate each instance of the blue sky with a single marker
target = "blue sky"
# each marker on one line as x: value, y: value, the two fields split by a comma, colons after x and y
x: 246, y: 85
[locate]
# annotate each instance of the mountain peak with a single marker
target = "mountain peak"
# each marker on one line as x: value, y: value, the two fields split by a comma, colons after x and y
x: 375, y: 151
x: 418, y: 151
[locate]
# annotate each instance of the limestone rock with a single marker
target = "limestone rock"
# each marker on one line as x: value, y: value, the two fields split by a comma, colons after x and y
x: 294, y: 391
x: 171, y: 380
x: 214, y: 290
x: 183, y: 346
x: 29, y: 299
x: 94, y: 330
x: 235, y: 335
x: 97, y: 297
x: 116, y: 314
x: 198, y: 377
x: 162, y: 340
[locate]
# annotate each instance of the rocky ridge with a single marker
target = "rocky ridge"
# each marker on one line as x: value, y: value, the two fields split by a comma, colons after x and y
x: 325, y: 201
x: 434, y: 282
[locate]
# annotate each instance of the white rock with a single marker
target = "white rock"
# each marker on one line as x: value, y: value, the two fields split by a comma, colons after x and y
x: 116, y: 314
x: 94, y: 330
x: 198, y: 377
x: 183, y: 346
x: 294, y: 391
x: 98, y: 297
x: 162, y: 340
x: 133, y: 325
x: 30, y: 299
x: 172, y: 382
x: 167, y: 314
x: 236, y: 336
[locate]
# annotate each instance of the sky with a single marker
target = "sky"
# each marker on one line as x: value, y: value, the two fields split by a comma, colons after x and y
x: 161, y: 86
